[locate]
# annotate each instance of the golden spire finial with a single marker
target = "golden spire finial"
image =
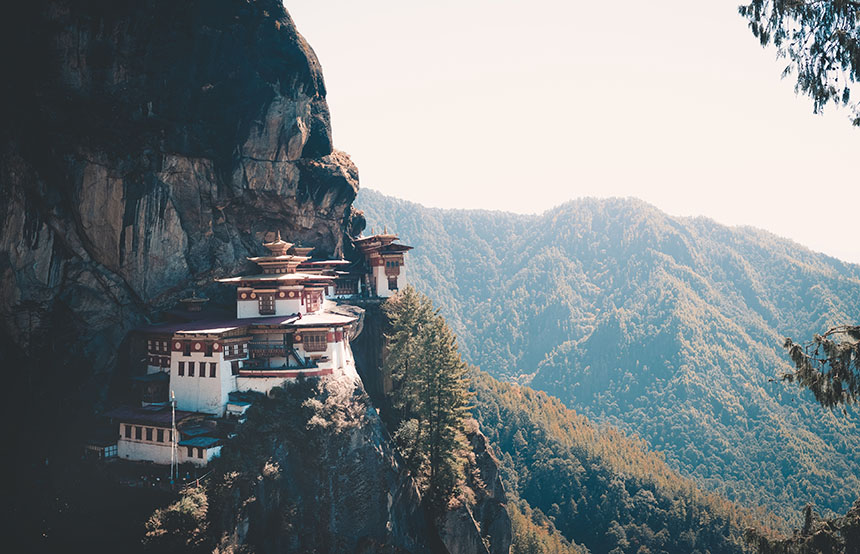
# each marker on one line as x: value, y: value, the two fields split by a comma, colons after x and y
x: 279, y: 235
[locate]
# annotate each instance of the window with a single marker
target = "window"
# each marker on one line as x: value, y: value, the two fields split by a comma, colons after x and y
x: 203, y: 369
x: 207, y: 348
x: 149, y: 433
x: 110, y: 451
x: 392, y: 283
x: 267, y: 303
x: 128, y: 431
x: 190, y: 451
x: 186, y: 348
x: 181, y: 369
x: 199, y: 452
x: 170, y: 436
x: 191, y: 369
x: 234, y: 368
x: 138, y: 433
x: 315, y: 342
x: 159, y: 435
x: 212, y: 366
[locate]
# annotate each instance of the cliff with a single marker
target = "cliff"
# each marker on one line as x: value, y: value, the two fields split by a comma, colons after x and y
x: 477, y: 521
x: 312, y: 471
x: 146, y: 149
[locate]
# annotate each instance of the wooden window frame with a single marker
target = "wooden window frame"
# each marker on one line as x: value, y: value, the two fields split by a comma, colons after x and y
x: 315, y: 342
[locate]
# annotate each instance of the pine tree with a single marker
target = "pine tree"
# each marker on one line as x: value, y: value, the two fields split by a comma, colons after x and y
x: 430, y: 394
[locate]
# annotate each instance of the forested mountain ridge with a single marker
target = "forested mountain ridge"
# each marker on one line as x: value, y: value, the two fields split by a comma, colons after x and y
x: 598, y: 487
x: 667, y: 327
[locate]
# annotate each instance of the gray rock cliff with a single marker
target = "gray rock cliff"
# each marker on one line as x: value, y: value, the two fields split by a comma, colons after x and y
x: 147, y: 147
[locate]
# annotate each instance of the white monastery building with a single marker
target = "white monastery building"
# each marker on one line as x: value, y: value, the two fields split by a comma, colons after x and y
x: 285, y: 326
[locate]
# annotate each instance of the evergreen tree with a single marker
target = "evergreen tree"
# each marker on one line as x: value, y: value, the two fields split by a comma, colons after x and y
x: 820, y: 39
x: 430, y: 394
x: 828, y: 365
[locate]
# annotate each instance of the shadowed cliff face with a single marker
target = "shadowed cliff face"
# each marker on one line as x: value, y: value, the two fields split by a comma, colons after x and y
x: 146, y: 148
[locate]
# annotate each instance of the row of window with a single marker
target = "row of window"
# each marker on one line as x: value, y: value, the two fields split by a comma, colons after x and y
x: 160, y: 435
x: 201, y: 368
x: 315, y: 343
x: 139, y: 432
x: 392, y: 264
x: 157, y: 345
x: 234, y: 349
x: 191, y: 452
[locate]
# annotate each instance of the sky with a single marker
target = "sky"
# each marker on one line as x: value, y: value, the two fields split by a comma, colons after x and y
x: 522, y: 105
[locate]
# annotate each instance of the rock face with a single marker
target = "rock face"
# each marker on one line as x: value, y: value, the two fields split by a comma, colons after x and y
x: 146, y: 149
x: 481, y: 524
x: 330, y: 480
x: 484, y: 524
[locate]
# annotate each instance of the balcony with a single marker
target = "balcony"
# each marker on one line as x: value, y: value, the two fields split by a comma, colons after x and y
x: 262, y: 349
x: 262, y: 369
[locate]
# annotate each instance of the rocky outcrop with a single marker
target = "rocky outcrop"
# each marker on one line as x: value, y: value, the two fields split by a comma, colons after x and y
x: 482, y: 523
x: 478, y: 521
x: 147, y: 148
x: 313, y: 471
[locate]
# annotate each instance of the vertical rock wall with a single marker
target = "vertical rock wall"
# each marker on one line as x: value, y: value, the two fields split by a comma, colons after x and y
x: 146, y: 148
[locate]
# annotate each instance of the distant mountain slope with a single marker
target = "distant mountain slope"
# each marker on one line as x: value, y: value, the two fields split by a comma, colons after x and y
x: 667, y: 327
x: 598, y: 487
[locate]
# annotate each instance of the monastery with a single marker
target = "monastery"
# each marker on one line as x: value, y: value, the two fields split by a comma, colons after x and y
x: 201, y: 372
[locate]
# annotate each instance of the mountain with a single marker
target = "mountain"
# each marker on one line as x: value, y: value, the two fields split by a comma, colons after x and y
x: 596, y: 486
x: 669, y: 328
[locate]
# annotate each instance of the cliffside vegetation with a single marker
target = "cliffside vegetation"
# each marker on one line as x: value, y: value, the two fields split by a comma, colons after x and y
x: 668, y: 328
x: 430, y: 395
x: 310, y: 471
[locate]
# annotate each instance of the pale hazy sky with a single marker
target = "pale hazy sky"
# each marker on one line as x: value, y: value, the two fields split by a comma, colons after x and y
x: 522, y: 105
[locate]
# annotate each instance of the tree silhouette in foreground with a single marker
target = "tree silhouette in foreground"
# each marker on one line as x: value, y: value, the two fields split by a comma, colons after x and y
x: 829, y: 366
x: 820, y: 39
